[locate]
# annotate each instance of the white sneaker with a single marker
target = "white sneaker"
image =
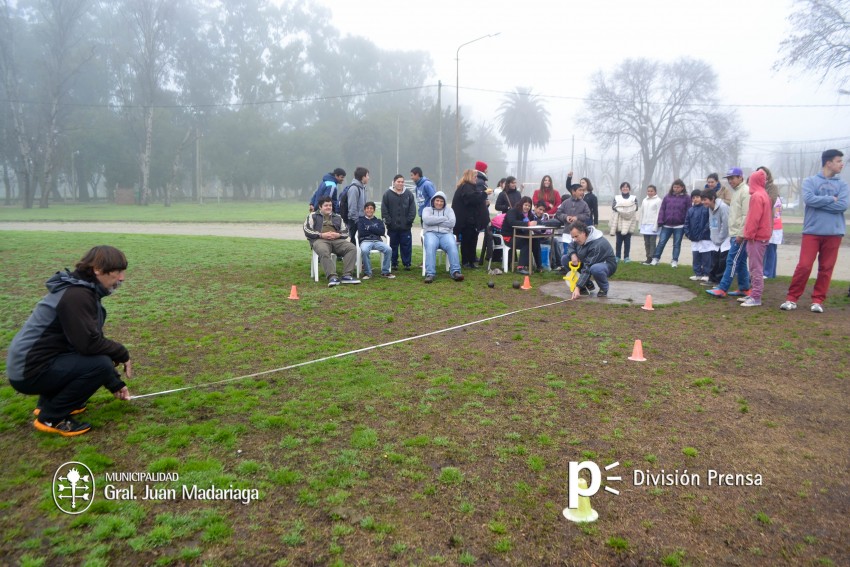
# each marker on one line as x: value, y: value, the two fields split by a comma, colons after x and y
x: 788, y: 306
x: 674, y: 264
x: 695, y: 278
x: 750, y: 302
x: 704, y: 279
x: 817, y: 308
x: 654, y: 262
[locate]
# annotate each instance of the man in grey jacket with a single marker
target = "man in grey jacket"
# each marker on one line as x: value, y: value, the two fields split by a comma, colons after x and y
x: 597, y: 258
x: 357, y: 200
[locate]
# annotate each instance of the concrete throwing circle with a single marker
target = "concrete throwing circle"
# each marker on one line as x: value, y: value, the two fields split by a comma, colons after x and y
x: 629, y: 293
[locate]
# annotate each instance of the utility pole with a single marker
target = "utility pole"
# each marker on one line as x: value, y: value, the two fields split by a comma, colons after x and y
x: 440, y: 134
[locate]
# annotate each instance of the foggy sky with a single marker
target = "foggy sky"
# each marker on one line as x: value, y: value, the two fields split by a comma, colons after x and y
x: 554, y: 48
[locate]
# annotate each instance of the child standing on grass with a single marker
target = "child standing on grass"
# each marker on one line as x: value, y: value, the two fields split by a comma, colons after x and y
x: 777, y: 235
x: 698, y: 232
x: 623, y: 221
x: 758, y: 228
x: 649, y: 221
x: 671, y: 217
x: 718, y: 227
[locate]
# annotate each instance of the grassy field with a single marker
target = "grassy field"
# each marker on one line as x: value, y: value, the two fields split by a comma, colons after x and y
x: 211, y: 211
x: 448, y: 450
x: 226, y: 211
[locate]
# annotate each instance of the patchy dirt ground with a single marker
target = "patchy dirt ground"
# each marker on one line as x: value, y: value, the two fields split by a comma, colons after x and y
x: 454, y: 449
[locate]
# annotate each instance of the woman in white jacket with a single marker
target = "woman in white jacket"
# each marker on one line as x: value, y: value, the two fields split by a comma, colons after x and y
x: 649, y: 221
x: 623, y: 221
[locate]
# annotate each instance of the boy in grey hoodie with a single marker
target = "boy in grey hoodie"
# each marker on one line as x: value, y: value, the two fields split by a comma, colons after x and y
x: 718, y: 224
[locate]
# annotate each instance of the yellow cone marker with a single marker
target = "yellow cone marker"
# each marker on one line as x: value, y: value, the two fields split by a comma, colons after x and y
x: 584, y: 512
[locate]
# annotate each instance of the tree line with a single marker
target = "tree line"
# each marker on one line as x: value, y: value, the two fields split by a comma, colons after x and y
x: 250, y: 99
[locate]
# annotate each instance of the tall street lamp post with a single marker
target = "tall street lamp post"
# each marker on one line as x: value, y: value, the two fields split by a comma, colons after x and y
x: 457, y: 100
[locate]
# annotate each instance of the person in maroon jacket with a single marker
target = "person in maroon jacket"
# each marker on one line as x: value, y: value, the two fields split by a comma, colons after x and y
x: 60, y: 354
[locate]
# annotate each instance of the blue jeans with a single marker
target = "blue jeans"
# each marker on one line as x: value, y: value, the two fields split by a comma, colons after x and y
x: 702, y: 263
x: 736, y: 264
x: 401, y: 239
x: 369, y: 245
x: 444, y: 241
x: 666, y: 232
x: 600, y: 273
x: 770, y: 261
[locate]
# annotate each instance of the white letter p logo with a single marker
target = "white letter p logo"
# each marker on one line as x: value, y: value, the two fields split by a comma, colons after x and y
x: 573, y: 485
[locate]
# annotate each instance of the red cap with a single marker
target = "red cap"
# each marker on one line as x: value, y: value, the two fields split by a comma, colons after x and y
x: 480, y: 166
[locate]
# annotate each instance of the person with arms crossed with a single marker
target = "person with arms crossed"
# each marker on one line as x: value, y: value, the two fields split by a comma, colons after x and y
x: 398, y: 209
x: 826, y: 198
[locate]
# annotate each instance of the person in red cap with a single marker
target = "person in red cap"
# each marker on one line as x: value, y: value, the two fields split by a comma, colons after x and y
x: 483, y: 218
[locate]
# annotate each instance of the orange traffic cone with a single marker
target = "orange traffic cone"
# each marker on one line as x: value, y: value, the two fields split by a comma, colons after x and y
x: 637, y: 352
x: 526, y: 284
x: 648, y: 304
x: 293, y: 294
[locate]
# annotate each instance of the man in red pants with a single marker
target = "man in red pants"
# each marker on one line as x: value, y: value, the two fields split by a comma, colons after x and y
x: 826, y: 198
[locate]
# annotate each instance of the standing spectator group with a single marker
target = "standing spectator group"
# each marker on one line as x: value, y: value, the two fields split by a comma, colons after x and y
x: 734, y: 231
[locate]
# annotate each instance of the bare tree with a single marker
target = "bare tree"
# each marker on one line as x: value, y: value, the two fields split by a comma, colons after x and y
x: 25, y: 169
x: 820, y: 39
x: 145, y: 67
x: 64, y: 55
x: 663, y: 108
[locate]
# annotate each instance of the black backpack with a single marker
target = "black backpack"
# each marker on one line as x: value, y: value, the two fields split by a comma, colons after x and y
x: 343, y: 204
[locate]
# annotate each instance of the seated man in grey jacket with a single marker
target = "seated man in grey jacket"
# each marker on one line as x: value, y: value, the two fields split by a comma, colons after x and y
x: 597, y: 258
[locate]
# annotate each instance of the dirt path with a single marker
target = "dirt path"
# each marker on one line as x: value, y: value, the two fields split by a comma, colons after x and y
x: 788, y: 253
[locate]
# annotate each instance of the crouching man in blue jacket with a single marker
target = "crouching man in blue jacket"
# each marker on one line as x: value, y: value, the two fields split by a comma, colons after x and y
x: 597, y: 258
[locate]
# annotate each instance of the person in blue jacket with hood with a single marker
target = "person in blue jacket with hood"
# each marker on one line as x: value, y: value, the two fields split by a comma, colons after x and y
x: 328, y: 188
x: 698, y: 231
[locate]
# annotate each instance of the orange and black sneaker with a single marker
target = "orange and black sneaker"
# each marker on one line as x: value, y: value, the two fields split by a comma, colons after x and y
x: 66, y: 428
x: 77, y: 411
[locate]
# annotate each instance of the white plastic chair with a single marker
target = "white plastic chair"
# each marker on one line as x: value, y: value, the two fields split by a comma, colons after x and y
x: 360, y: 256
x: 439, y: 251
x: 314, y: 264
x: 499, y: 244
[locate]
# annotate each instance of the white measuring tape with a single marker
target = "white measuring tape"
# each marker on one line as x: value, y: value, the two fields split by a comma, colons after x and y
x: 340, y: 355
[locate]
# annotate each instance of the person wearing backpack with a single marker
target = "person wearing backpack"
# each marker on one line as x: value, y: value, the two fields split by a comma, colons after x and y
x: 328, y: 188
x: 353, y: 200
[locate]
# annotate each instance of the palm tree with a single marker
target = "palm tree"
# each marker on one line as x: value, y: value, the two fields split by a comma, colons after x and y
x: 524, y: 123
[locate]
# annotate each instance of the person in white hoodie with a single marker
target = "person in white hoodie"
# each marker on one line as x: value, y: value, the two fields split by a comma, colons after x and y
x: 649, y: 221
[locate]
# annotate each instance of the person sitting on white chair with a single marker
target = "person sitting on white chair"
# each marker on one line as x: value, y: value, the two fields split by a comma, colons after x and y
x: 328, y: 235
x: 370, y: 231
x: 438, y: 224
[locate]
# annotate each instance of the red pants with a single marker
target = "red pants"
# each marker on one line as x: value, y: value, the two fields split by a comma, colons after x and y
x: 825, y: 249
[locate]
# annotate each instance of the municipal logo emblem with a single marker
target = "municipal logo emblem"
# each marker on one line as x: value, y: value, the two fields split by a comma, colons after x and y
x: 73, y: 487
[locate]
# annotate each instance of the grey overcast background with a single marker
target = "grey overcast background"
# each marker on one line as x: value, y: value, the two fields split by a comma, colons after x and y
x: 554, y: 48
